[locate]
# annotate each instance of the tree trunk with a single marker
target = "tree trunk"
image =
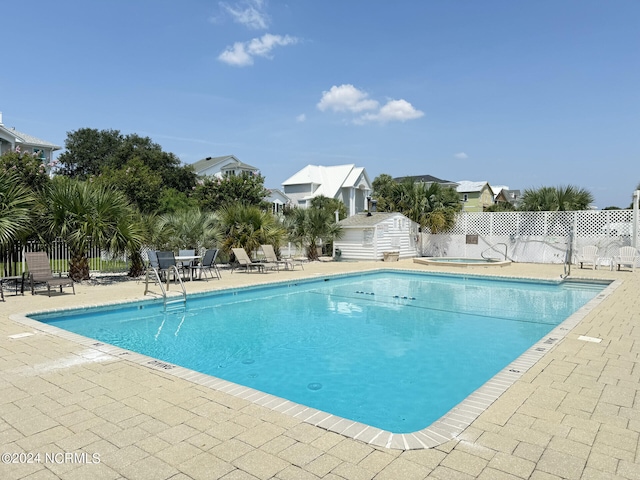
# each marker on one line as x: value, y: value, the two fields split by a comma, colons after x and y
x: 312, y: 251
x: 79, y: 267
x: 136, y: 267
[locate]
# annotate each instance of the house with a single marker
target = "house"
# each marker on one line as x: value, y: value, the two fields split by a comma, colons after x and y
x: 369, y: 236
x: 347, y: 183
x: 278, y: 200
x: 475, y: 196
x: 10, y: 139
x: 221, y: 166
x: 504, y: 195
x: 427, y: 179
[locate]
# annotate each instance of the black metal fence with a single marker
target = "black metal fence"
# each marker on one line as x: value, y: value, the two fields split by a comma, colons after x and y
x: 12, y: 257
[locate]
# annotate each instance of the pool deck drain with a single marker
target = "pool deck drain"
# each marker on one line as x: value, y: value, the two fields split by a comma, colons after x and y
x: 571, y: 415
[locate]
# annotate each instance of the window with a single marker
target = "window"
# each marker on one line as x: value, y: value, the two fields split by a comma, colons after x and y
x: 465, y: 197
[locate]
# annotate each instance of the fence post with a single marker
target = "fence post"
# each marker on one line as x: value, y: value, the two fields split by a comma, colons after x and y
x: 634, y: 224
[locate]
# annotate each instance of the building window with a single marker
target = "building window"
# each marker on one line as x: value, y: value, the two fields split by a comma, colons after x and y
x: 465, y: 197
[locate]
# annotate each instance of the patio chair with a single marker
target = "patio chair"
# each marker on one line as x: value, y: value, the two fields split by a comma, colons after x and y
x: 271, y: 257
x: 167, y: 266
x: 208, y: 264
x: 627, y: 256
x: 589, y: 256
x: 245, y: 262
x: 40, y: 272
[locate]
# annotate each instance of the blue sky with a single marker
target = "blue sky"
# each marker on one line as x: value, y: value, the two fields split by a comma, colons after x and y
x: 524, y: 94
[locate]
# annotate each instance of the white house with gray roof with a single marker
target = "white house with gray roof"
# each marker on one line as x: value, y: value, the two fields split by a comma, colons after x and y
x: 347, y: 183
x: 10, y: 139
x: 221, y: 166
x: 368, y: 237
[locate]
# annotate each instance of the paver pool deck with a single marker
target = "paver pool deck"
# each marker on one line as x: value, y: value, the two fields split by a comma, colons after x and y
x: 575, y: 414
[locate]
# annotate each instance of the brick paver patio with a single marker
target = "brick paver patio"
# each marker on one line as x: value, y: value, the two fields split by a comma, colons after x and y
x: 88, y: 414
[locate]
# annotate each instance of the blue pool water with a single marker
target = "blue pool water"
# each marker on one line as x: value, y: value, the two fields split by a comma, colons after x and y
x: 391, y: 350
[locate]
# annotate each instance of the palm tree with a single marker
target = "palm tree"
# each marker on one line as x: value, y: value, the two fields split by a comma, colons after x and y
x: 83, y: 213
x: 308, y: 226
x: 190, y: 228
x: 248, y: 227
x: 432, y: 206
x: 556, y: 199
x: 16, y: 202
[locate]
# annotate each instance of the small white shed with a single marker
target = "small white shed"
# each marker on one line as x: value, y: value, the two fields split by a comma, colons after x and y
x: 368, y: 236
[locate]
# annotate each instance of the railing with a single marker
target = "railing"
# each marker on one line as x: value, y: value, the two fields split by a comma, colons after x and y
x: 492, y: 248
x: 12, y: 257
x: 153, y: 272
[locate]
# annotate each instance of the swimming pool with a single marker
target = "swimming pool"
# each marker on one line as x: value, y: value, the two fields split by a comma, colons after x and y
x: 381, y: 349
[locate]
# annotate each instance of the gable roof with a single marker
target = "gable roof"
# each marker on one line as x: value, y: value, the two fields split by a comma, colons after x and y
x: 365, y: 220
x: 27, y: 139
x: 465, y: 186
x: 425, y: 179
x: 329, y: 179
x: 207, y: 163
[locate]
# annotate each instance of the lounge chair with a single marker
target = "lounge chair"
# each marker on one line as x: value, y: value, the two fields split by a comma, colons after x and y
x: 271, y: 257
x: 40, y: 272
x: 245, y: 262
x: 208, y: 264
x: 627, y: 256
x: 589, y: 256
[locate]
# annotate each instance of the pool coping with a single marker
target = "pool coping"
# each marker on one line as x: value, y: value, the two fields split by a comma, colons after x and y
x: 446, y: 428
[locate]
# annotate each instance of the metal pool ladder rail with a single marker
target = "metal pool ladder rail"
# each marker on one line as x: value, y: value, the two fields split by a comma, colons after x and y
x: 168, y: 270
x: 493, y: 248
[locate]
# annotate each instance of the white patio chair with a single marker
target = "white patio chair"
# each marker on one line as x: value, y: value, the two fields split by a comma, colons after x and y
x: 627, y: 256
x: 589, y: 256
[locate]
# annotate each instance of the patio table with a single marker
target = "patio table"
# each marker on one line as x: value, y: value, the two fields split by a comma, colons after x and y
x: 190, y: 258
x: 18, y: 281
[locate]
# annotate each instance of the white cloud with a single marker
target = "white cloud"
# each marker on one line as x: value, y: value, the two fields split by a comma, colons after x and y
x: 241, y: 54
x: 461, y: 156
x: 346, y: 98
x: 301, y: 118
x: 393, y: 111
x: 236, y: 55
x: 250, y: 13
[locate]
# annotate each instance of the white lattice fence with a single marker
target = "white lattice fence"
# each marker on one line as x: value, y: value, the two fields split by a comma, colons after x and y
x: 537, y: 237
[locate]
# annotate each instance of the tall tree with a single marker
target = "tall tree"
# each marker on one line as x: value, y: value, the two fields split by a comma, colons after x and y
x: 330, y: 205
x: 214, y: 193
x: 383, y: 186
x: 87, y: 152
x: 90, y: 152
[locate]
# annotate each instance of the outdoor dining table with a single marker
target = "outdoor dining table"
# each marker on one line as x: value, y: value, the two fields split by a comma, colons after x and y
x: 190, y: 258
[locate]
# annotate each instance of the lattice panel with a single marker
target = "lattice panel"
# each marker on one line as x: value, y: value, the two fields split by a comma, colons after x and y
x: 538, y: 237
